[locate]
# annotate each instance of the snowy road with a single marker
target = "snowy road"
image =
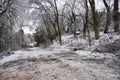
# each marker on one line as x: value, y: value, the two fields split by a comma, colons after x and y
x: 39, y: 64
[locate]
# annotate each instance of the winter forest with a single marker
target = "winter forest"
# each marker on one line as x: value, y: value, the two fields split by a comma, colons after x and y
x: 59, y: 39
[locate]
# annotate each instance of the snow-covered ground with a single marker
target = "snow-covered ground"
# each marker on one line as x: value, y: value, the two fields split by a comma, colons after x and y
x: 30, y: 53
x: 59, y: 63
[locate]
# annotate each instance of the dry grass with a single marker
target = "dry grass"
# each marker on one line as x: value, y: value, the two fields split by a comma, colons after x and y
x: 16, y: 77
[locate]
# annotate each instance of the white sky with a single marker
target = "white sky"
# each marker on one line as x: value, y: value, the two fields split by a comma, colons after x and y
x: 28, y: 31
x: 99, y: 4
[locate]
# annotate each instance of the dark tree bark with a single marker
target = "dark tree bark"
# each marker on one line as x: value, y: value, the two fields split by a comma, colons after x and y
x: 107, y: 17
x: 86, y: 19
x: 116, y: 15
x: 95, y: 22
x: 57, y: 22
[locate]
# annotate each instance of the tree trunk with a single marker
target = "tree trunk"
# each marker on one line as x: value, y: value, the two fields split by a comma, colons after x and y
x: 84, y: 31
x: 92, y: 4
x: 57, y: 22
x: 116, y: 15
x: 86, y: 19
x: 107, y: 17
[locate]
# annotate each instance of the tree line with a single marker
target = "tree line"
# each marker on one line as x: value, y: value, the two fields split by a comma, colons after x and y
x: 53, y: 18
x: 74, y: 15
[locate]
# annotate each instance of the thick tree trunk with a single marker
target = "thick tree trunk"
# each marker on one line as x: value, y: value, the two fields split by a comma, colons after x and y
x: 86, y: 19
x: 92, y: 4
x: 116, y: 15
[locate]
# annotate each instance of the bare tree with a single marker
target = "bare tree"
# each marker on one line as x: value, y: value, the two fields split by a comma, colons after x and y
x: 57, y: 21
x: 52, y: 14
x: 71, y: 15
x: 92, y: 4
x: 116, y: 15
x: 86, y: 19
x: 107, y: 17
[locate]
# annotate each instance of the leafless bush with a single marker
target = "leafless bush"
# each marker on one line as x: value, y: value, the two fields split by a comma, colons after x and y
x: 108, y: 43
